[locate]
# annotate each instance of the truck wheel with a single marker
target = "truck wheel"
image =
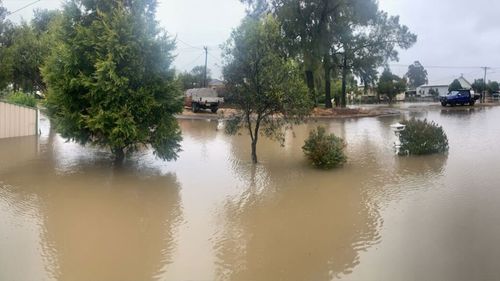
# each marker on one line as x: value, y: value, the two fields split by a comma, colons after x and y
x: 472, y: 102
x: 214, y: 109
x: 443, y: 103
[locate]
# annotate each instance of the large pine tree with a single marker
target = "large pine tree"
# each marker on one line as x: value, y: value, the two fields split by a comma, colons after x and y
x: 110, y: 79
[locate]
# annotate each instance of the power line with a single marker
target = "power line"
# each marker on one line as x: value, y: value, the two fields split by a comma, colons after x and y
x: 445, y: 66
x: 190, y: 63
x: 218, y: 60
x: 22, y: 8
x: 187, y: 44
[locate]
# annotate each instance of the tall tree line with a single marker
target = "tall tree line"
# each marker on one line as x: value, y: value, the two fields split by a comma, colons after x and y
x: 337, y: 38
x: 23, y: 49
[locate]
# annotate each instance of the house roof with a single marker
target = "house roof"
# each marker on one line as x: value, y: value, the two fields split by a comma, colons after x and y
x: 432, y: 86
x: 215, y: 82
x: 464, y: 83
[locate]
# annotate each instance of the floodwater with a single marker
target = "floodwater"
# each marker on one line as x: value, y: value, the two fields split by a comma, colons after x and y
x: 66, y: 213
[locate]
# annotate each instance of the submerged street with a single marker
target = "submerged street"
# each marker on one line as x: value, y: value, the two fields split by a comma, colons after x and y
x: 66, y: 213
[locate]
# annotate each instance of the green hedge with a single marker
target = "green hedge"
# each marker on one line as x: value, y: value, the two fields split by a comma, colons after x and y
x: 21, y: 99
x: 422, y: 137
x: 324, y: 150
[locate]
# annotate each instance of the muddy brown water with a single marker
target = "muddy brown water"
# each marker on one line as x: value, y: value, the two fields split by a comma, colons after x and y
x: 66, y: 213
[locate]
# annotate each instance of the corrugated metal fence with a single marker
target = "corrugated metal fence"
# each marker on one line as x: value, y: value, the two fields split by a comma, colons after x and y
x: 17, y: 121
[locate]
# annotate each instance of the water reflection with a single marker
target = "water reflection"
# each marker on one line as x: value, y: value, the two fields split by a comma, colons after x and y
x: 96, y: 221
x: 461, y: 112
x: 67, y: 213
x: 291, y: 222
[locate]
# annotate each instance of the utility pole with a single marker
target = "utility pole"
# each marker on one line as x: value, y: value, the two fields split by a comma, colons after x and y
x: 205, y: 72
x: 483, y: 98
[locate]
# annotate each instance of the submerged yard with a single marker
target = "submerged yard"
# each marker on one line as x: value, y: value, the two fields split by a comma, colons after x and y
x: 66, y: 213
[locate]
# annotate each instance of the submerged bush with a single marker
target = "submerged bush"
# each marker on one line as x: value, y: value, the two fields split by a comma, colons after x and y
x: 421, y: 137
x: 21, y: 99
x: 324, y: 150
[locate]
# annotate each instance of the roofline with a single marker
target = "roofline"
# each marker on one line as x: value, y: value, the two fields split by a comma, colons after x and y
x: 431, y: 86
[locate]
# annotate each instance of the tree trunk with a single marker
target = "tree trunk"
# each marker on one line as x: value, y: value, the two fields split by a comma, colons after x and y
x: 310, y: 86
x: 328, y: 83
x: 344, y: 82
x: 254, y: 151
x: 119, y: 155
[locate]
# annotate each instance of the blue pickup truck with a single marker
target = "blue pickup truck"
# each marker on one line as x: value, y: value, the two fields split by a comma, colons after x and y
x: 460, y: 97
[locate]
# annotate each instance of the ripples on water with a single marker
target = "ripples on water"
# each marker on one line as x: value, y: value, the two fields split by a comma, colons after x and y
x: 67, y: 213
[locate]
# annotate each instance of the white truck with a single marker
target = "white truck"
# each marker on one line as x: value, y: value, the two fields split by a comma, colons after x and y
x: 203, y: 98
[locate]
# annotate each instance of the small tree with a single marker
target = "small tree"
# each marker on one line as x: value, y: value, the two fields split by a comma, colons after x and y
x: 455, y: 86
x: 194, y: 78
x: 493, y: 87
x: 479, y: 86
x: 270, y: 94
x: 110, y: 79
x: 390, y: 85
x: 421, y: 137
x: 417, y: 75
x: 324, y: 150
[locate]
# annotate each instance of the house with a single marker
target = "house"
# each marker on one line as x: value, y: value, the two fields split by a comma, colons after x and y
x: 363, y: 95
x: 215, y: 84
x: 465, y: 84
x: 427, y: 91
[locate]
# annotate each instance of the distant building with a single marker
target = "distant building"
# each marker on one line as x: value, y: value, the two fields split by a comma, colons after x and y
x: 426, y: 91
x: 363, y: 95
x: 216, y: 84
x: 465, y: 84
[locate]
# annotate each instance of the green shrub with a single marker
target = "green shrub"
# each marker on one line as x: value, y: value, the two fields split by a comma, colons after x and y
x: 421, y: 137
x: 21, y: 99
x: 324, y: 150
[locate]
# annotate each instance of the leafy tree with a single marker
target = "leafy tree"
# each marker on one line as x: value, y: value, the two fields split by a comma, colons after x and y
x: 110, y: 79
x: 390, y: 85
x: 27, y: 57
x: 493, y: 87
x: 455, y: 86
x: 479, y: 86
x: 24, y: 47
x: 353, y: 36
x: 311, y: 28
x: 42, y: 20
x: 194, y: 78
x: 363, y: 52
x: 269, y: 92
x: 417, y: 75
x: 305, y: 25
x: 5, y: 41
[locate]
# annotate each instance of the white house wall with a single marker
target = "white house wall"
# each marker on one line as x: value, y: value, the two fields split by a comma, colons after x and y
x: 425, y: 91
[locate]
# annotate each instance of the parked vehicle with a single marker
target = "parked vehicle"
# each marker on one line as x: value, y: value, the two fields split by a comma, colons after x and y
x: 203, y: 98
x: 460, y: 97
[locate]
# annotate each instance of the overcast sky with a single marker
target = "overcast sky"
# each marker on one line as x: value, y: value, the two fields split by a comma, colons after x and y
x: 454, y: 36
